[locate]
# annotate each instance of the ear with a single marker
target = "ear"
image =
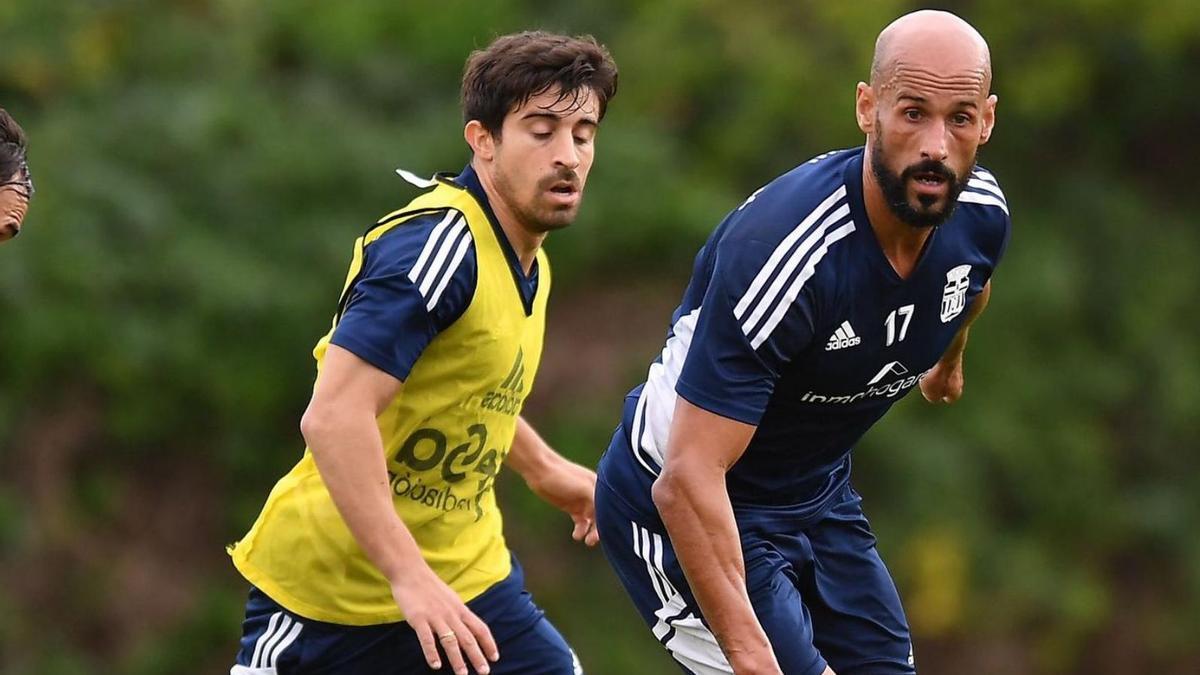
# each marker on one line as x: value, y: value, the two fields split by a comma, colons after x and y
x: 989, y: 119
x: 864, y: 107
x: 482, y: 143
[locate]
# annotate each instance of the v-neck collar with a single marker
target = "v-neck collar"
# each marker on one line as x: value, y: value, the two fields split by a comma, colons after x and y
x: 526, y: 285
x: 853, y: 178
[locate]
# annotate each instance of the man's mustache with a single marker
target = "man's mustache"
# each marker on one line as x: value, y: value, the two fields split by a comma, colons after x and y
x: 560, y: 176
x: 932, y: 166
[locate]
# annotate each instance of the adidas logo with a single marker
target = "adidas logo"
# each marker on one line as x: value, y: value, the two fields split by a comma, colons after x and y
x: 842, y: 338
x: 508, y: 397
x: 515, y: 381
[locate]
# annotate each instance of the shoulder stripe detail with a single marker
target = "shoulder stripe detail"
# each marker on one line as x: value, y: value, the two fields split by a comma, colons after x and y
x: 435, y: 268
x: 986, y: 175
x: 986, y: 200
x: 439, y: 260
x: 980, y: 184
x: 794, y: 290
x: 780, y: 251
x: 459, y: 254
x: 797, y: 256
x: 430, y: 245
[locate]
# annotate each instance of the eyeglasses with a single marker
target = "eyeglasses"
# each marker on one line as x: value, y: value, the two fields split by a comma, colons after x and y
x: 25, y: 181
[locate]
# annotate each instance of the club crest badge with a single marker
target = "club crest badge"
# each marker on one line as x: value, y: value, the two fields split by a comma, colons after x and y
x: 954, y: 295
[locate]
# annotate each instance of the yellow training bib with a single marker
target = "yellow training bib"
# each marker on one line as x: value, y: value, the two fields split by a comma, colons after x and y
x: 445, y: 437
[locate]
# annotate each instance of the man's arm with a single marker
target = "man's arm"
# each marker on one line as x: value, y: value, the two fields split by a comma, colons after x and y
x: 339, y: 427
x: 560, y: 482
x: 691, y: 498
x: 944, y: 383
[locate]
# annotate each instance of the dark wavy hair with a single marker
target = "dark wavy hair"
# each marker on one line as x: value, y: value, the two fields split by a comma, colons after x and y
x: 13, y: 145
x: 518, y: 67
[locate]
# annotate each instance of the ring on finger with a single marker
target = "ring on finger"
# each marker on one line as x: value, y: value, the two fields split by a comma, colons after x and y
x: 447, y: 636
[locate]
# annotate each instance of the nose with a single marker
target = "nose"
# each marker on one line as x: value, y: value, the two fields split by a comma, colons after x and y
x: 934, y: 142
x: 566, y: 153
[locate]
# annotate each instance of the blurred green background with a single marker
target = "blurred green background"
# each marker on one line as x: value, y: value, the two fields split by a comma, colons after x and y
x: 204, y: 165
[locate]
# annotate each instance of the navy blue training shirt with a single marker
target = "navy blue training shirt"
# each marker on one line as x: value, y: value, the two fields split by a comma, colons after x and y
x: 416, y: 280
x: 795, y: 321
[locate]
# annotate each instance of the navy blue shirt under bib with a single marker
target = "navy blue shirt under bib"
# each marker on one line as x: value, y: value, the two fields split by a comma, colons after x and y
x: 795, y: 321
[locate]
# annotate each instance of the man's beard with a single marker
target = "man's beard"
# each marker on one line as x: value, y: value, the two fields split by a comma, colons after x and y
x: 895, y: 189
x: 548, y: 217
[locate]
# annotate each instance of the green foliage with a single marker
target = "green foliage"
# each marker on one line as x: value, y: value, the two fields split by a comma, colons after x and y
x: 204, y: 165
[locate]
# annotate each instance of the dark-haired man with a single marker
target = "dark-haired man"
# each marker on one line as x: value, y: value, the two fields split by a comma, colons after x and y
x: 382, y: 550
x: 16, y: 183
x: 724, y: 502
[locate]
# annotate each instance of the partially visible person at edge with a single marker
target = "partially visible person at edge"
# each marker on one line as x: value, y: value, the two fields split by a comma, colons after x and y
x: 724, y: 501
x: 16, y: 183
x: 382, y: 550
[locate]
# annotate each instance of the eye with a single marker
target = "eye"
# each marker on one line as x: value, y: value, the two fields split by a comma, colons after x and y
x: 912, y: 114
x: 542, y: 135
x: 961, y: 119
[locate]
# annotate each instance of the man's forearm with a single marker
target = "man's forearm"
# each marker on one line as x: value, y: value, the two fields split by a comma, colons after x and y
x: 531, y: 456
x: 699, y: 518
x: 349, y: 455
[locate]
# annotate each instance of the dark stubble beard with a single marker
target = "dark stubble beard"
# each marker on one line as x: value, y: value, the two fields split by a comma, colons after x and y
x: 895, y: 188
x: 545, y: 219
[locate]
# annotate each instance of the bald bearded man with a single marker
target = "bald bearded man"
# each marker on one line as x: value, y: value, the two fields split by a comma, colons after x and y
x: 16, y: 183
x: 724, y: 501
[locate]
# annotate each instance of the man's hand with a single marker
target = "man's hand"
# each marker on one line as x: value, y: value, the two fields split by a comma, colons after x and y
x: 559, y: 482
x: 439, y: 618
x: 944, y: 382
x: 571, y: 489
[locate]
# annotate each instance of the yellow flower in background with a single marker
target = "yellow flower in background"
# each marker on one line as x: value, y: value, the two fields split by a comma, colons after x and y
x: 938, y: 571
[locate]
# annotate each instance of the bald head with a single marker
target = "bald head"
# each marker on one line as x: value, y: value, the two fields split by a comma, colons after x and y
x: 932, y: 41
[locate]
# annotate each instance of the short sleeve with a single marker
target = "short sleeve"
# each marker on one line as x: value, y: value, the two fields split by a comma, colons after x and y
x: 417, y: 279
x: 756, y: 316
x: 983, y: 192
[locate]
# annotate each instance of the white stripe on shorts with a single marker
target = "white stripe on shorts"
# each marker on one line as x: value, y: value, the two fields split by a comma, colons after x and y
x: 686, y: 637
x: 264, y: 639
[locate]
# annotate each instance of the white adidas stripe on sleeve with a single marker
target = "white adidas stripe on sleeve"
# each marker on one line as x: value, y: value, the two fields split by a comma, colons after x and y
x: 793, y: 291
x: 782, y: 249
x: 441, y: 257
x: 981, y: 184
x: 986, y: 200
x: 459, y: 254
x: 794, y: 260
x: 430, y: 245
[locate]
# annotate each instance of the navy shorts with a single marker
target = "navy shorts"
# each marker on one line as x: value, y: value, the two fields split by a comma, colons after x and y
x: 276, y: 641
x: 819, y: 589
